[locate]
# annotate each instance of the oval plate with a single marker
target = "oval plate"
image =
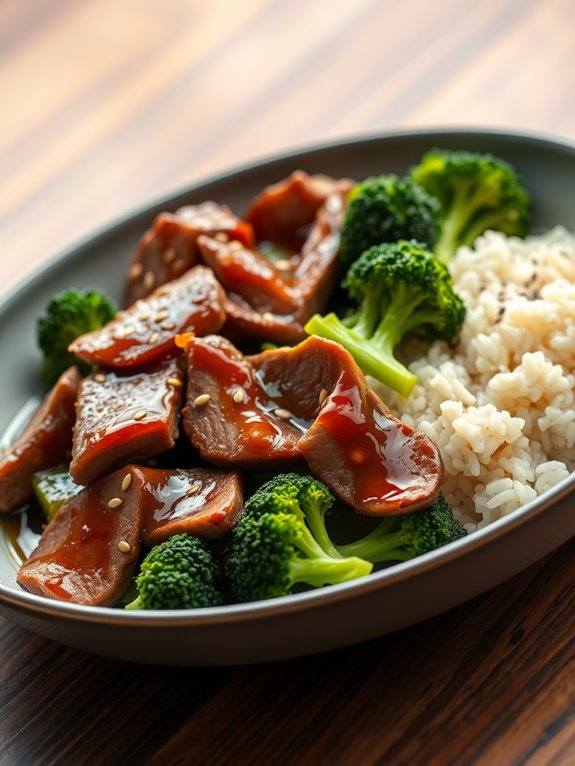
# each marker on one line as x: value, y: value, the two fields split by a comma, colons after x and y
x: 331, y: 617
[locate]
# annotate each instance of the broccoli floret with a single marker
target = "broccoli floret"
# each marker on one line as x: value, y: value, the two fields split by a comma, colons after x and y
x: 305, y: 496
x: 399, y: 538
x: 69, y: 315
x: 399, y: 288
x: 179, y: 573
x: 273, y: 547
x: 476, y: 192
x: 384, y: 209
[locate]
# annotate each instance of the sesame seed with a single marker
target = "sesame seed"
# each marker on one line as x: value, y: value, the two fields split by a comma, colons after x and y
x: 126, y: 481
x: 161, y: 316
x: 135, y: 271
x: 100, y: 378
x: 115, y: 502
x: 194, y: 489
x: 153, y: 337
x: 238, y: 395
x: 323, y: 394
x: 128, y: 330
x: 144, y: 316
x: 267, y: 316
x: 222, y: 237
x: 202, y: 399
x: 179, y: 264
x: 140, y: 415
x: 124, y: 547
x: 168, y: 325
x: 169, y: 256
x: 235, y: 244
x: 283, y: 265
x: 283, y: 414
x: 174, y: 382
x: 149, y: 280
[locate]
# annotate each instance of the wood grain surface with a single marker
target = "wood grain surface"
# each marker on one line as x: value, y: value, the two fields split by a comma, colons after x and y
x: 108, y: 103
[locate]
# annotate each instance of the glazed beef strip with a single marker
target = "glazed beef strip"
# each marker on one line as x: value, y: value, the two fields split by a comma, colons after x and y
x: 261, y: 302
x: 121, y: 419
x: 283, y: 212
x: 275, y: 301
x: 229, y: 416
x: 45, y: 442
x: 88, y: 552
x: 169, y: 248
x: 369, y: 459
x: 205, y: 502
x: 144, y: 334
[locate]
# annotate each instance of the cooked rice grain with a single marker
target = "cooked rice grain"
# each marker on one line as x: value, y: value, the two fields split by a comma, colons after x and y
x: 501, y: 404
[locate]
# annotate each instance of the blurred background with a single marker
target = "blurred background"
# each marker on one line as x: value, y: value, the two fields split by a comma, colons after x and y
x: 108, y: 103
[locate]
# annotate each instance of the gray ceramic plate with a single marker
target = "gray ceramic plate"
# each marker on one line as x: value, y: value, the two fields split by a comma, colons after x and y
x: 330, y: 617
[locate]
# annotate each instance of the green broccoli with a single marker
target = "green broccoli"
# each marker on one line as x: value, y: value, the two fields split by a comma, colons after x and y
x: 399, y: 287
x: 399, y: 538
x: 384, y: 209
x: 179, y: 573
x: 274, y: 546
x: 53, y: 488
x: 308, y: 497
x: 68, y: 315
x: 476, y: 192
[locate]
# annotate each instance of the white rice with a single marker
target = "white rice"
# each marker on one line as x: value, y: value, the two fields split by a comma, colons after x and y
x: 501, y: 404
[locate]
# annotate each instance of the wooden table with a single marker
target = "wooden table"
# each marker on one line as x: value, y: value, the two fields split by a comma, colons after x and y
x: 108, y: 103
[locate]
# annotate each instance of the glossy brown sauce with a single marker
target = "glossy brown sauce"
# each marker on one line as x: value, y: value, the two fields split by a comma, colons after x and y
x: 254, y: 414
x: 383, y: 461
x: 20, y: 534
x: 168, y: 501
x: 86, y: 551
x: 144, y: 333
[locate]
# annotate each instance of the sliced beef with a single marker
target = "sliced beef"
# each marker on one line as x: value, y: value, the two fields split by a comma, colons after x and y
x: 144, y: 333
x: 318, y: 270
x: 260, y: 302
x: 169, y: 247
x: 45, y: 442
x: 264, y: 301
x: 245, y: 323
x: 88, y: 552
x: 121, y: 419
x: 284, y: 212
x: 274, y: 302
x: 230, y: 417
x: 205, y: 502
x: 247, y: 276
x: 369, y: 459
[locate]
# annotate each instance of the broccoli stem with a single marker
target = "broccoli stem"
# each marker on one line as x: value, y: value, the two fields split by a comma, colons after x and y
x: 135, y: 604
x: 384, y: 543
x: 450, y: 235
x: 364, y: 321
x: 328, y: 571
x: 317, y: 568
x: 459, y: 227
x: 315, y: 517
